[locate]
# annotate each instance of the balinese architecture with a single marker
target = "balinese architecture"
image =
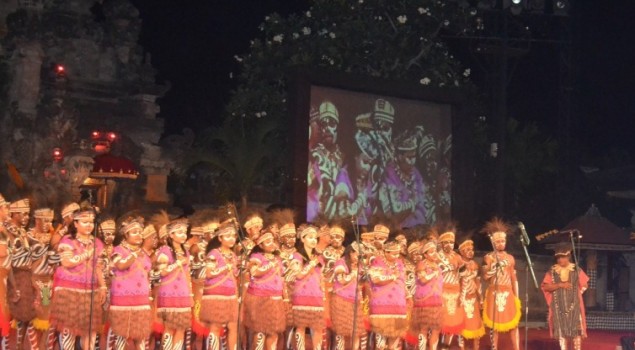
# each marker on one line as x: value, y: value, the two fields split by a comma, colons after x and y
x: 76, y: 88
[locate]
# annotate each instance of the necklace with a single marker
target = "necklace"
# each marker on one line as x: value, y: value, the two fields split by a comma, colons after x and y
x: 85, y: 240
x: 130, y: 247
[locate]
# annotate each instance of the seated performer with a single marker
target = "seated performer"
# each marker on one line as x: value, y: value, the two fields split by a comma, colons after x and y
x: 563, y: 286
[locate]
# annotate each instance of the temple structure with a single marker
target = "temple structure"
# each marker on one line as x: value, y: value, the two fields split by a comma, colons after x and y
x: 75, y: 85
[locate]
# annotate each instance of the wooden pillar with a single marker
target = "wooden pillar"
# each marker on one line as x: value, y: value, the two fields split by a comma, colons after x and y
x: 590, y: 296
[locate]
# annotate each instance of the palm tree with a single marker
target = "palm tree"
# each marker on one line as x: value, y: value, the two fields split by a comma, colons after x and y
x: 242, y: 150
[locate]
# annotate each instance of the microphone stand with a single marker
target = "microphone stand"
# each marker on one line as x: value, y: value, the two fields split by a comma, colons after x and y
x: 529, y: 268
x: 243, y: 255
x: 360, y: 268
x: 92, y: 277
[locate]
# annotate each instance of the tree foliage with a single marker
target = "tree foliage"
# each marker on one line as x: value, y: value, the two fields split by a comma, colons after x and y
x: 396, y: 39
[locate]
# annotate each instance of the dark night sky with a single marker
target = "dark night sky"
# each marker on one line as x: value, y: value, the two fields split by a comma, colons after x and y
x: 193, y: 42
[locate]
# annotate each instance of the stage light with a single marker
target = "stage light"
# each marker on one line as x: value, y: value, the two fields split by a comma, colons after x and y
x: 58, y: 155
x: 515, y: 6
x: 561, y: 7
x: 516, y: 2
x: 95, y: 134
x: 112, y: 136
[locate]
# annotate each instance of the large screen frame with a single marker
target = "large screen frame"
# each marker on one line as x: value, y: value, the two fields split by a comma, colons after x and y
x: 302, y: 80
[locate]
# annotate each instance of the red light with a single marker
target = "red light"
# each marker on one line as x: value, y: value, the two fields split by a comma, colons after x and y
x: 63, y: 171
x: 112, y: 136
x: 58, y: 155
x: 60, y: 68
x: 95, y: 134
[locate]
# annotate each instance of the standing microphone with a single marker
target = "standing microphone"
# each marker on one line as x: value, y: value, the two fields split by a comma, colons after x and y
x: 524, y: 238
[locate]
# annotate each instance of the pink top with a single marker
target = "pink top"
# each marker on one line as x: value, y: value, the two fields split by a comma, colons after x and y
x: 225, y: 283
x: 345, y: 291
x: 308, y: 290
x: 428, y: 293
x: 174, y: 289
x: 271, y: 283
x: 130, y: 287
x: 79, y: 276
x: 388, y: 299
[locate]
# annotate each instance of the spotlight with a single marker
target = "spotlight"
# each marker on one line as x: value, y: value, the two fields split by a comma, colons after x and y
x: 58, y: 155
x: 561, y: 7
x: 515, y: 6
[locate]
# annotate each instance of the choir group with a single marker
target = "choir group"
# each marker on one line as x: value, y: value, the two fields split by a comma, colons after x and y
x: 215, y: 282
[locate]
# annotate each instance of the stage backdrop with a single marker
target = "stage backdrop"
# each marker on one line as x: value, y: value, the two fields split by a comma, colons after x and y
x: 378, y: 154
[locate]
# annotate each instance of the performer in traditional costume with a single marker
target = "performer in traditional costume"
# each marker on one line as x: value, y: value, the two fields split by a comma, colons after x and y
x: 21, y: 307
x: 471, y: 298
x: 414, y: 255
x: 130, y: 313
x: 197, y: 246
x: 106, y: 232
x: 79, y: 284
x: 451, y: 264
x: 149, y: 248
x: 264, y: 295
x: 62, y: 229
x: 44, y: 262
x: 501, y: 309
x: 290, y: 267
x: 174, y: 295
x: 563, y: 286
x: 219, y: 308
x: 308, y: 291
x: 388, y: 299
x: 5, y: 267
x: 427, y: 310
x: 347, y: 313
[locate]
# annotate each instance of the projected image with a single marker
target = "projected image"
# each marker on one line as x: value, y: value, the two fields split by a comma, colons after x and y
x: 371, y: 154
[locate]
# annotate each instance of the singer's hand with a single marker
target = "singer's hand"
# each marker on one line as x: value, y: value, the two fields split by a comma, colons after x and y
x: 565, y: 285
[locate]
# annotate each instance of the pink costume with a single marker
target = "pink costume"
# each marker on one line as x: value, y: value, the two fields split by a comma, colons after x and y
x: 70, y: 307
x: 428, y: 298
x: 264, y: 296
x: 220, y: 301
x: 174, y: 295
x: 388, y: 307
x: 130, y: 313
x: 343, y: 301
x: 308, y: 295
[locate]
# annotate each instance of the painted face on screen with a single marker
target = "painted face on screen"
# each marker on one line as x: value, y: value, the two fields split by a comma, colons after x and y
x: 362, y: 163
x: 384, y: 129
x: 328, y: 130
x: 407, y: 161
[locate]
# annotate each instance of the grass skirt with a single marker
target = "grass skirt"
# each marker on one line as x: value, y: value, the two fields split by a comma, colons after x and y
x: 308, y: 317
x: 342, y: 316
x: 175, y: 319
x: 264, y: 314
x: 70, y: 309
x: 215, y: 309
x: 425, y: 318
x: 391, y: 326
x: 22, y: 309
x: 133, y: 324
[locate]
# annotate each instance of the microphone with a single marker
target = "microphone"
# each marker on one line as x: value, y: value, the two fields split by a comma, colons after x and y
x: 524, y: 238
x: 574, y: 232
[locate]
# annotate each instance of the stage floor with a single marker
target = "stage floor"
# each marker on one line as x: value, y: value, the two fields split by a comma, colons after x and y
x: 538, y: 339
